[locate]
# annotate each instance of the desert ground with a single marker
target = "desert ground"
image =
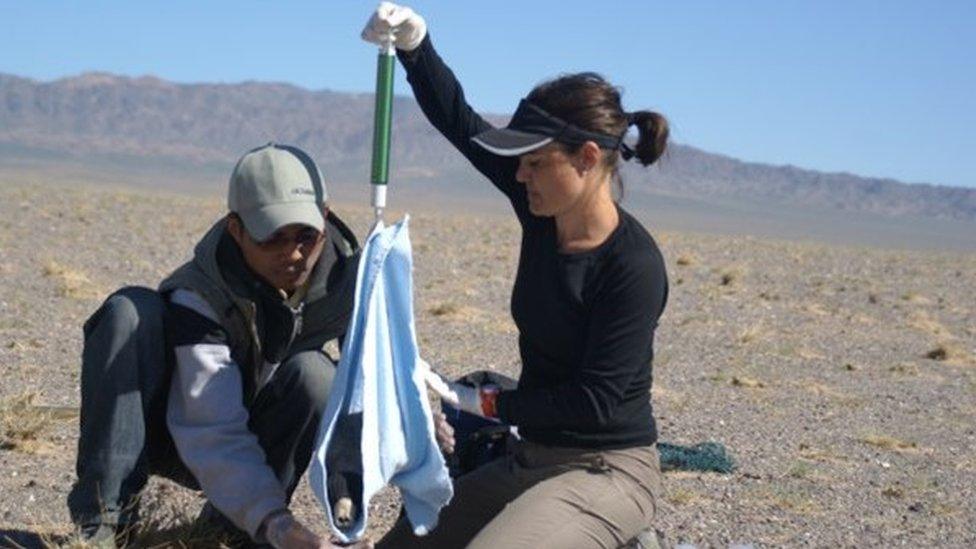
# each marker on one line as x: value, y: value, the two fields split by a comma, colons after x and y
x: 841, y: 379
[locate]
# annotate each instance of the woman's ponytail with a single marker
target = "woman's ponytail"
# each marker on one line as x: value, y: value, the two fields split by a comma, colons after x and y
x: 652, y: 137
x: 588, y: 101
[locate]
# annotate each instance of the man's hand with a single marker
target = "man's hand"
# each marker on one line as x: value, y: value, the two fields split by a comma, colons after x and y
x: 283, y: 531
x: 406, y: 28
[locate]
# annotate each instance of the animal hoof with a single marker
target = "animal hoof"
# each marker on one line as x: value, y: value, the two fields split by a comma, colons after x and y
x: 344, y: 512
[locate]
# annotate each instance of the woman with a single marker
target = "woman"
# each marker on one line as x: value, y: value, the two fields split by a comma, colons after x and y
x: 590, y: 287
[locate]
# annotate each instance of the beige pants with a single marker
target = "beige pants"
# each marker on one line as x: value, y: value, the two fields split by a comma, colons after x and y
x: 541, y: 497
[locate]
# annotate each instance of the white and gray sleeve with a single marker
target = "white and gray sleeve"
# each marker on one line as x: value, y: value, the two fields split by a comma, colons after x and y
x: 209, y: 422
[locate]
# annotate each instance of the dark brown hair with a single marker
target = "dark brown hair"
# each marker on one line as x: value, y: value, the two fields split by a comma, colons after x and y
x: 589, y: 102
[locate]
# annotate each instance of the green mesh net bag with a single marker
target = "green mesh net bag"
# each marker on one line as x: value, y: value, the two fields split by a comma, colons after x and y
x: 706, y: 457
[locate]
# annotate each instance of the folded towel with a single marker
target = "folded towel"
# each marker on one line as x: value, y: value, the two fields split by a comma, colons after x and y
x: 379, y: 391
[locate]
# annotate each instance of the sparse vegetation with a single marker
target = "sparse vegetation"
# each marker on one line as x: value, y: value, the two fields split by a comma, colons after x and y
x: 905, y: 368
x: 748, y: 382
x: 800, y: 470
x: 941, y: 352
x: 751, y: 333
x: 916, y: 298
x: 160, y: 526
x: 683, y: 496
x: 889, y: 443
x: 789, y: 498
x: 821, y: 455
x: 921, y: 321
x: 72, y: 283
x: 792, y: 349
x: 893, y: 492
x: 730, y: 275
x: 22, y: 424
x: 444, y: 309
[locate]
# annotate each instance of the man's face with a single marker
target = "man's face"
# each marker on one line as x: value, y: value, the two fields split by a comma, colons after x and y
x: 286, y: 259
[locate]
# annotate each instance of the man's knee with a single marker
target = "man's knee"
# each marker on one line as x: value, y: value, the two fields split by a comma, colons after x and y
x: 127, y: 310
x: 309, y: 377
x: 124, y: 342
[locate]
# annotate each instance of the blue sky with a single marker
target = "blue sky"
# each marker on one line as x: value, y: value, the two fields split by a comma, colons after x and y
x: 877, y: 88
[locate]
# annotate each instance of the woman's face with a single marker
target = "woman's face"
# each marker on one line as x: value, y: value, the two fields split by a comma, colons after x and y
x: 554, y: 180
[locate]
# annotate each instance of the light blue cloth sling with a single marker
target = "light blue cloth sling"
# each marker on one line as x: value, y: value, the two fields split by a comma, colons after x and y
x: 380, y: 376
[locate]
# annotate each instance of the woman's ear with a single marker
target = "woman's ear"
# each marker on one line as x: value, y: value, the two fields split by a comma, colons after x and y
x: 588, y: 156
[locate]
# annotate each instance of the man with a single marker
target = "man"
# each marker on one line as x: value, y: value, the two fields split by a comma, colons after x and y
x: 218, y: 380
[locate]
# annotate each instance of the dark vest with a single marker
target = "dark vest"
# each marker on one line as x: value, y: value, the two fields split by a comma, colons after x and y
x: 259, y: 325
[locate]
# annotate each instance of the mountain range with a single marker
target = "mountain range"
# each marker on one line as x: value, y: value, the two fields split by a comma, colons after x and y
x: 105, y: 118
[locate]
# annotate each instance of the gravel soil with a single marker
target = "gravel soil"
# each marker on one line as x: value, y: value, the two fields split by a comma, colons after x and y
x: 841, y: 379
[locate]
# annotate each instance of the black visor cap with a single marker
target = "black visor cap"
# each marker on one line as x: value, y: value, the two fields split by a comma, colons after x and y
x: 532, y: 128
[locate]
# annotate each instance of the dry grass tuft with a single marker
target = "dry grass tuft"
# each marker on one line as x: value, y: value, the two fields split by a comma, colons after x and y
x: 72, y: 283
x: 818, y: 388
x: 454, y: 311
x: 679, y: 496
x: 160, y: 526
x: 190, y: 535
x: 788, y: 499
x: 22, y: 423
x: 800, y: 470
x: 751, y: 333
x: 941, y: 352
x: 822, y: 455
x: 950, y: 352
x: 893, y: 492
x: 916, y: 298
x: 444, y: 309
x: 809, y: 354
x: 182, y: 536
x: 747, y: 382
x: 815, y: 309
x: 889, y: 443
x: 905, y: 368
x: 730, y: 275
x: 921, y: 321
x: 686, y: 260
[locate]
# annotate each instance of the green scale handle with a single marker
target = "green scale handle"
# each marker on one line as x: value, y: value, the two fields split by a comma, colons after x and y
x: 382, y: 121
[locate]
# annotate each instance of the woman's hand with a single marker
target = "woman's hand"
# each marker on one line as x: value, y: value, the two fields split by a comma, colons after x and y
x: 479, y: 400
x: 406, y: 27
x: 443, y: 432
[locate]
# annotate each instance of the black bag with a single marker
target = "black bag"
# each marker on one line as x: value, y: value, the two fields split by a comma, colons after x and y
x: 477, y: 440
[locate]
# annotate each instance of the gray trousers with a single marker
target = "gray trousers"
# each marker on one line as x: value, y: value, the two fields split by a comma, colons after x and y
x: 541, y: 496
x: 125, y: 379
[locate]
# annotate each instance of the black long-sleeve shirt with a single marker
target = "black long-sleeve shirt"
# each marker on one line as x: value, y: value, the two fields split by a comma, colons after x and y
x: 586, y: 320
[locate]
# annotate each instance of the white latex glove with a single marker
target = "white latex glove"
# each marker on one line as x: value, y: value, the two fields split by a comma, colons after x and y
x: 478, y: 400
x: 408, y: 28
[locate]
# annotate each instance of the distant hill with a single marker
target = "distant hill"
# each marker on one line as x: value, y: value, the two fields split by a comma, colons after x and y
x: 106, y: 118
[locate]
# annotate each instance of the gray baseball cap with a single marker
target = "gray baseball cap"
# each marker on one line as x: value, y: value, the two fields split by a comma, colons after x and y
x: 276, y: 185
